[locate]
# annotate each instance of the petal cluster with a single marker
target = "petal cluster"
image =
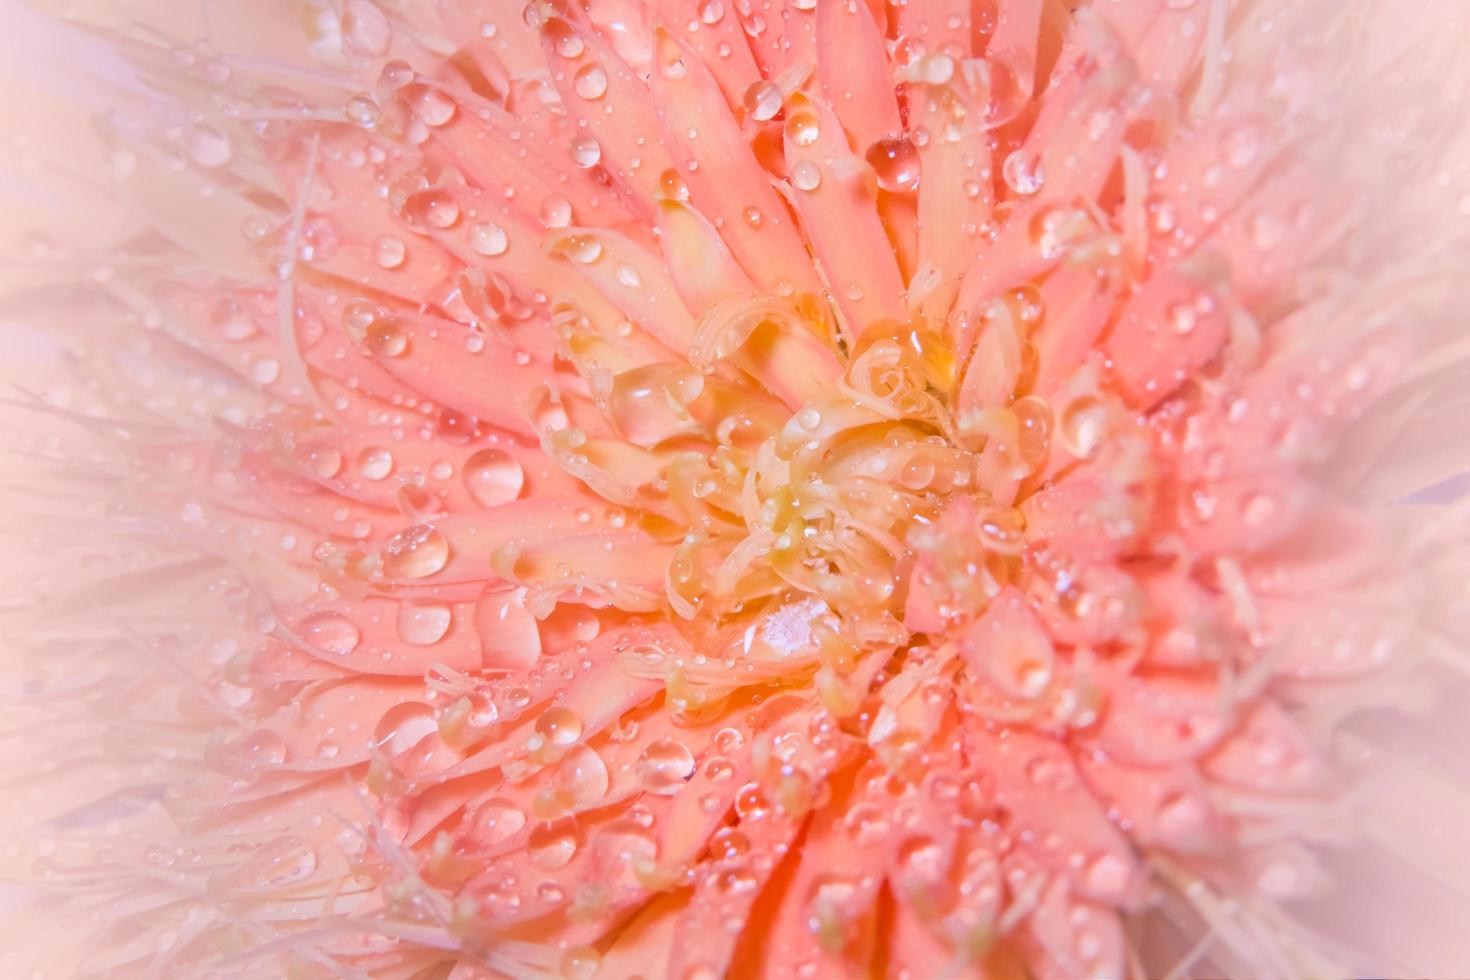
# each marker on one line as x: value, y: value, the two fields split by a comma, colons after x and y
x: 693, y: 489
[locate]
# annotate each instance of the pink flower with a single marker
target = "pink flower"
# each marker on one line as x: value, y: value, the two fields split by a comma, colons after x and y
x: 814, y: 489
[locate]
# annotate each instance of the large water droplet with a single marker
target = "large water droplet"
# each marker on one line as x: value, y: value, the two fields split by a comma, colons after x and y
x: 552, y: 845
x: 565, y: 41
x: 584, y: 776
x: 806, y: 175
x: 556, y: 212
x: 559, y: 726
x: 489, y: 239
x: 495, y: 820
x: 422, y: 623
x: 415, y: 552
x: 493, y: 477
x: 363, y: 110
x: 1083, y: 425
x: 1023, y: 172
x: 374, y: 463
x: 803, y: 128
x: 586, y: 152
x: 762, y: 100
x: 403, y: 726
x: 331, y: 631
x: 664, y: 766
x: 590, y: 82
x: 896, y: 163
x: 389, y: 251
x: 582, y: 249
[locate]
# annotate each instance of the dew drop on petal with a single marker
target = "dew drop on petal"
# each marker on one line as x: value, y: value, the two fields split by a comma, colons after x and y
x: 389, y: 251
x: 553, y: 845
x: 664, y: 766
x: 806, y: 176
x: 422, y: 623
x: 1082, y: 426
x: 417, y: 551
x: 896, y: 164
x: 803, y: 128
x: 209, y: 147
x: 556, y: 212
x: 762, y: 100
x: 582, y: 249
x: 580, y: 963
x: 403, y: 726
x: 489, y: 239
x: 584, y: 776
x: 495, y: 820
x: 565, y: 41
x: 559, y: 726
x: 363, y: 110
x: 590, y: 82
x: 586, y: 152
x: 1023, y: 172
x: 711, y: 11
x: 493, y: 477
x: 265, y: 371
x: 331, y: 631
x: 374, y: 463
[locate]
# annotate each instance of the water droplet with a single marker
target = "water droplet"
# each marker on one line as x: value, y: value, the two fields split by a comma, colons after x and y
x: 389, y: 251
x: 417, y: 551
x: 553, y: 845
x: 433, y: 107
x: 582, y: 249
x: 385, y: 338
x: 363, y: 110
x: 710, y: 11
x: 495, y: 820
x: 403, y: 726
x: 584, y: 776
x: 374, y: 463
x: 422, y: 623
x: 580, y: 963
x: 586, y: 152
x: 753, y: 217
x: 556, y: 212
x: 231, y: 320
x: 319, y: 238
x: 265, y: 371
x: 437, y: 209
x: 1182, y: 318
x: 762, y: 100
x: 493, y: 477
x: 590, y: 82
x: 330, y: 631
x: 806, y: 175
x: 896, y: 163
x: 321, y: 461
x: 559, y: 726
x: 209, y: 147
x: 664, y: 766
x: 1023, y: 172
x: 803, y: 128
x: 489, y: 239
x: 1108, y: 876
x: 565, y: 41
x: 1083, y: 425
